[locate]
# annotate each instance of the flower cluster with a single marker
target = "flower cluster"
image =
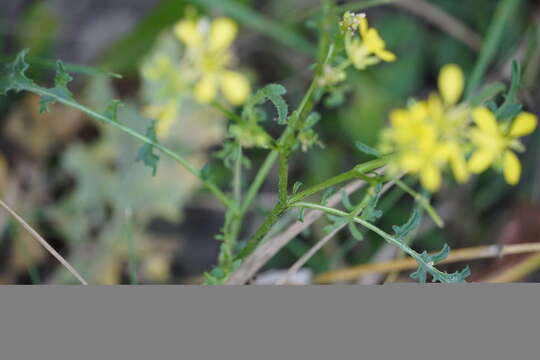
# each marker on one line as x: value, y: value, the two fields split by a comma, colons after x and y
x: 366, y: 48
x: 430, y: 135
x: 202, y: 69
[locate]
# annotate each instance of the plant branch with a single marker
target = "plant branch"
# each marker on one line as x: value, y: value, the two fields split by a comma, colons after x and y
x: 171, y: 154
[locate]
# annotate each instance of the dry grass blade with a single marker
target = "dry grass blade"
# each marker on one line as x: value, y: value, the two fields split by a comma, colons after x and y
x: 44, y: 243
x: 442, y: 20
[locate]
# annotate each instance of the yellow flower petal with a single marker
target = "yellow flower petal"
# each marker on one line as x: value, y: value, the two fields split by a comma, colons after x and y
x: 524, y: 124
x: 235, y: 87
x: 205, y: 91
x: 458, y: 164
x: 363, y: 26
x: 187, y: 32
x: 481, y: 160
x: 451, y: 83
x: 511, y: 168
x: 222, y: 34
x: 485, y: 120
x: 430, y: 177
x: 386, y: 55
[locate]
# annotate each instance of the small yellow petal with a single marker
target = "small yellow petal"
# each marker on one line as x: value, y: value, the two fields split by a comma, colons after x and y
x: 222, y: 34
x: 451, y: 83
x: 205, y: 91
x: 187, y: 32
x: 430, y: 177
x: 485, y: 120
x: 458, y: 164
x: 363, y: 26
x: 481, y: 160
x: 511, y: 168
x: 235, y: 87
x: 524, y: 124
x: 386, y: 55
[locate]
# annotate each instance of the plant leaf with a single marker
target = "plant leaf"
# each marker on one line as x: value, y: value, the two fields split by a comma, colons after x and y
x: 366, y: 149
x: 60, y: 89
x: 272, y: 93
x: 146, y: 152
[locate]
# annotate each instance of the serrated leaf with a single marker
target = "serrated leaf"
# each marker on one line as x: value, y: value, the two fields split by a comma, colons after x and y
x: 327, y: 194
x: 146, y: 152
x: 357, y: 235
x: 13, y: 75
x: 112, y: 110
x: 401, y: 232
x: 441, y: 255
x: 297, y: 185
x: 366, y: 149
x: 60, y: 89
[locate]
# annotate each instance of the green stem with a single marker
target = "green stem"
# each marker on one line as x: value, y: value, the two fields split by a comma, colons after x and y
x: 359, y: 171
x: 226, y: 112
x: 176, y: 157
x: 362, y: 5
x: 422, y: 201
x: 503, y: 14
x: 283, y: 178
x: 387, y: 237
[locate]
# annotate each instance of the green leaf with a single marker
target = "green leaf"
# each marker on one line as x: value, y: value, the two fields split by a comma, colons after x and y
x: 346, y: 201
x: 60, y: 89
x: 112, y: 110
x: 312, y: 120
x: 146, y: 152
x: 401, y: 232
x: 509, y: 108
x: 366, y: 149
x: 371, y: 213
x: 426, y: 266
x: 356, y: 234
x: 206, y: 171
x: 13, y: 75
x: 272, y: 93
x: 296, y: 187
x: 301, y: 214
x: 327, y: 194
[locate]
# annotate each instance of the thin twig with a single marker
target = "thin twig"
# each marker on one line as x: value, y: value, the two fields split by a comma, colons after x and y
x: 471, y: 253
x: 43, y: 243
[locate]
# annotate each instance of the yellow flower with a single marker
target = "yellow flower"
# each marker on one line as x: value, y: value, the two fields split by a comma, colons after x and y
x: 414, y: 146
x: 429, y: 135
x: 495, y: 144
x: 368, y: 49
x: 209, y: 51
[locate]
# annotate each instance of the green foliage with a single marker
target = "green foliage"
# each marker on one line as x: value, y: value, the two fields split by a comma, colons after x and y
x: 13, y: 77
x: 401, y: 232
x: 273, y: 93
x: 147, y: 152
x: 366, y: 149
x: 60, y: 89
x: 426, y: 266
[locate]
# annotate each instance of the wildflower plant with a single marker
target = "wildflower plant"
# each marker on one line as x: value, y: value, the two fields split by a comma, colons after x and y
x: 423, y: 140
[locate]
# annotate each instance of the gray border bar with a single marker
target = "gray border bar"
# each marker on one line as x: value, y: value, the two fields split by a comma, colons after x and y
x: 266, y: 322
